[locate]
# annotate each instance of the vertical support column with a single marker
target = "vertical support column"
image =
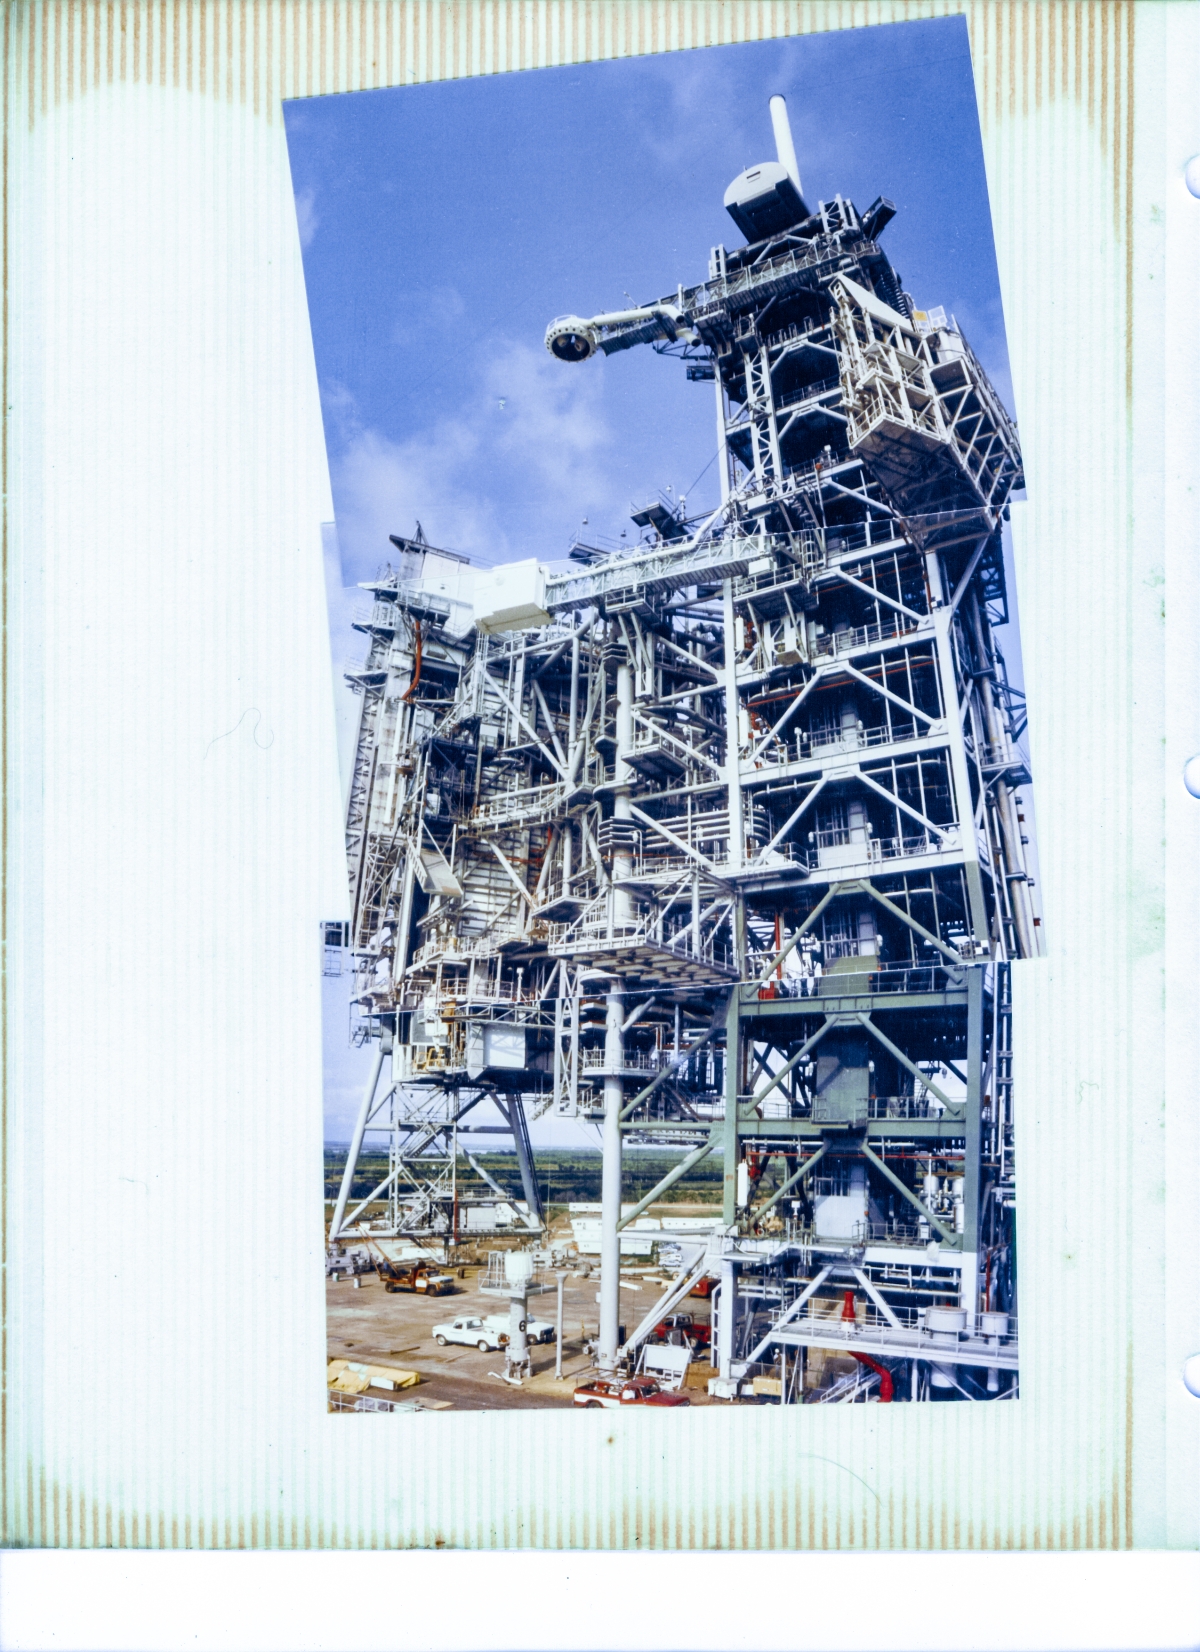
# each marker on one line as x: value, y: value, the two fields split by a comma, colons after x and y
x: 516, y: 1355
x: 559, y: 1075
x: 722, y: 439
x: 517, y: 688
x: 560, y: 1276
x: 772, y: 423
x: 727, y: 1322
x: 610, y: 1185
x: 975, y: 1034
x: 452, y: 1242
x: 576, y: 1014
x: 733, y: 1072
x: 760, y: 405
x: 573, y: 716
x: 733, y: 779
x: 942, y: 621
x: 754, y: 409
x: 997, y: 727
x: 622, y: 775
x: 933, y: 578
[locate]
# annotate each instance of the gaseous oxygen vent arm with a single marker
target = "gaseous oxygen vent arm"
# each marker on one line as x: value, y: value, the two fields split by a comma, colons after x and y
x: 571, y: 338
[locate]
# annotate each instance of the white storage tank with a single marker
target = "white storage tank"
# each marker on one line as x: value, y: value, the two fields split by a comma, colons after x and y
x: 945, y: 1325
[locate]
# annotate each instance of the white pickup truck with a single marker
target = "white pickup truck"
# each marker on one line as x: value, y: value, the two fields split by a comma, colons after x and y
x: 537, y: 1330
x: 473, y: 1331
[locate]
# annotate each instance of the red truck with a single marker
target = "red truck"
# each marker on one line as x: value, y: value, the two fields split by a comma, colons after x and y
x: 684, y: 1329
x: 615, y: 1395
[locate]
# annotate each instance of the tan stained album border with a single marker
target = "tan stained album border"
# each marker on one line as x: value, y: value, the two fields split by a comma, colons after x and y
x: 151, y: 1438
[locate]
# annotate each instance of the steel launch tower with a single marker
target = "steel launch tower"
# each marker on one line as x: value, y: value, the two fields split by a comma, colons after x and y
x: 720, y: 841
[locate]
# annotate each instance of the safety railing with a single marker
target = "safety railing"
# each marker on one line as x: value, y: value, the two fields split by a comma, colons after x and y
x: 862, y: 636
x: 994, y: 1329
x: 466, y: 947
x: 378, y: 616
x: 871, y: 979
x: 806, y: 744
x: 998, y: 754
x: 895, y: 1230
x: 632, y: 1061
x: 500, y: 1274
x: 838, y: 849
x: 581, y: 888
x: 712, y: 295
x: 669, y: 743
x: 521, y: 803
x: 926, y: 1106
x: 369, y: 1402
x: 785, y: 335
x: 806, y: 393
x: 600, y: 928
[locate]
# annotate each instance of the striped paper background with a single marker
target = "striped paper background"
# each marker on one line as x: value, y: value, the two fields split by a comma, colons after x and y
x: 172, y: 829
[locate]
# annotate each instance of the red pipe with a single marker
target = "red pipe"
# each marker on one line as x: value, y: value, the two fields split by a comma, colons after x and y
x: 886, y: 1386
x: 770, y: 990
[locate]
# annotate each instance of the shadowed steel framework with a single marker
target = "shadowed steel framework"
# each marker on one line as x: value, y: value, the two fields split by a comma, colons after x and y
x: 720, y: 841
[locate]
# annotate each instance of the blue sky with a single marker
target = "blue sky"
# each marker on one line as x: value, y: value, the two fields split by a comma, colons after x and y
x: 444, y: 226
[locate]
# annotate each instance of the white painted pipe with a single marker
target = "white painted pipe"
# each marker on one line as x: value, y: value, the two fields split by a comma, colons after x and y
x: 610, y: 1185
x: 558, y: 1335
x: 360, y: 1127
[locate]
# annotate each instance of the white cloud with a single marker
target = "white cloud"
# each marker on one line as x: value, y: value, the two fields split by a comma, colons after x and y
x: 508, y: 475
x: 306, y: 216
x: 431, y: 310
x: 690, y: 85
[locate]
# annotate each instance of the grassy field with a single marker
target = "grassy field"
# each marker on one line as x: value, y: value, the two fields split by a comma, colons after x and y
x: 565, y: 1176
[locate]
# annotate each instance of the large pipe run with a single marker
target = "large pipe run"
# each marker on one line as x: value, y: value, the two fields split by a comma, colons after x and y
x: 610, y: 1185
x: 887, y: 1388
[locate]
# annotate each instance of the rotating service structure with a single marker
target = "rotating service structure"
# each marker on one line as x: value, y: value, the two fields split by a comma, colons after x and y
x: 720, y: 842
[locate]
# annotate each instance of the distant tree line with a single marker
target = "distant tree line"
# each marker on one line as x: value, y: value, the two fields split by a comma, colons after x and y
x: 565, y: 1177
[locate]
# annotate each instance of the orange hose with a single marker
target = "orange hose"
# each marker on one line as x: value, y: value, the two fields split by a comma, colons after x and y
x: 408, y: 692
